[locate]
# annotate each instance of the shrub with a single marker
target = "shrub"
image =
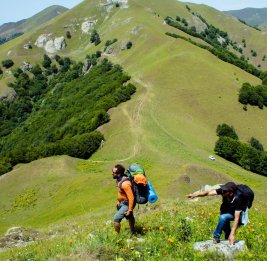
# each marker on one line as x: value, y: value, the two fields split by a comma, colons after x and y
x: 7, y: 63
x: 129, y: 45
x: 47, y: 61
x: 256, y: 144
x: 68, y: 34
x: 95, y: 38
x: 225, y: 130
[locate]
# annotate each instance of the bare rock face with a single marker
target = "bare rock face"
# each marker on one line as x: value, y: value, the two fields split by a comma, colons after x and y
x: 51, y: 45
x: 26, y: 66
x: 87, y: 66
x: 42, y: 40
x: 87, y: 25
x: 222, y: 248
x: 27, y: 46
x: 122, y: 3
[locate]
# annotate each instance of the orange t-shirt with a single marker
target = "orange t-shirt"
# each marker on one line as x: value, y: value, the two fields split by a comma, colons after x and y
x: 126, y: 193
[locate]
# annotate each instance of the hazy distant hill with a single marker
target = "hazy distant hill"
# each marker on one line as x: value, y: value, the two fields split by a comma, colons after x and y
x: 13, y: 28
x: 252, y: 16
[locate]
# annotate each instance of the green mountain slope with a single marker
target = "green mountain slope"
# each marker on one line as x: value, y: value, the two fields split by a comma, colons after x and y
x: 252, y: 16
x: 169, y: 126
x: 28, y: 24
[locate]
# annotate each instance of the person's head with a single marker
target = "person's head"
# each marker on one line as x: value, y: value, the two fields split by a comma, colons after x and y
x: 118, y: 171
x: 228, y: 189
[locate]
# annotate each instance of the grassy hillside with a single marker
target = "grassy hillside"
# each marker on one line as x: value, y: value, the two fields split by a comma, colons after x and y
x: 169, y: 126
x: 252, y: 16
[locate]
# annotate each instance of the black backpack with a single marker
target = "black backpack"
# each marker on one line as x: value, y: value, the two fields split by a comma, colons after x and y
x: 136, y: 174
x: 247, y: 193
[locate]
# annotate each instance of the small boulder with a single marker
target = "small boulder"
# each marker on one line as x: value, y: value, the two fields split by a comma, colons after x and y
x: 27, y: 46
x: 26, y: 66
x: 222, y: 248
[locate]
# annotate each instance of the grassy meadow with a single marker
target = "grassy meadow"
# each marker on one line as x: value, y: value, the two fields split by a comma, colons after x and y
x: 168, y: 126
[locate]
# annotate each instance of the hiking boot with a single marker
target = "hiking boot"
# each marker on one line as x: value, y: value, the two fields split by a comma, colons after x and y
x: 216, y: 240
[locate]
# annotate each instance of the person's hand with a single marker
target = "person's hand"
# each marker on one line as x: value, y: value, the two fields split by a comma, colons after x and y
x: 231, y: 239
x: 128, y: 213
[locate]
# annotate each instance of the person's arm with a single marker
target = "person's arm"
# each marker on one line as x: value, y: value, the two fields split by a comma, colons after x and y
x: 235, y: 225
x: 202, y: 194
x: 130, y: 196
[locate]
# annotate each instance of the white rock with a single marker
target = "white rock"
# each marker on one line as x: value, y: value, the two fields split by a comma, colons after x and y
x: 87, y: 25
x: 60, y: 43
x: 223, y: 247
x: 42, y: 40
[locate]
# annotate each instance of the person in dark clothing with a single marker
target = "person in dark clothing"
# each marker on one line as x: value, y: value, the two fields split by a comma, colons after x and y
x: 231, y: 208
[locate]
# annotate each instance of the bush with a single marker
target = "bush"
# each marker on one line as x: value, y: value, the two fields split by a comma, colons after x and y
x: 68, y: 34
x: 225, y: 130
x: 95, y: 38
x: 256, y: 144
x: 47, y: 61
x: 129, y: 45
x: 7, y: 63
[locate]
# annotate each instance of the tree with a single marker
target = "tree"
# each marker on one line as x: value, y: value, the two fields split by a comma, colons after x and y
x: 95, y: 38
x: 47, y: 61
x: 7, y: 63
x: 129, y: 45
x: 256, y: 144
x: 68, y: 34
x: 225, y: 130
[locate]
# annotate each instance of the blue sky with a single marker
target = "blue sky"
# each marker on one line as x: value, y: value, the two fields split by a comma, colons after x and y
x: 15, y: 10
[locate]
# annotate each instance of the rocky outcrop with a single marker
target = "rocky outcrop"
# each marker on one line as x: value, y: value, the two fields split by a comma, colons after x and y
x: 42, y: 40
x: 27, y: 46
x: 222, y: 248
x: 26, y: 66
x: 18, y: 236
x: 122, y: 3
x: 86, y: 66
x: 51, y: 45
x: 199, y: 25
x: 87, y: 25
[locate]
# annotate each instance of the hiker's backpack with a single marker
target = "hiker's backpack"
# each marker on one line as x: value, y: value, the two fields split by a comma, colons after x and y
x: 136, y: 174
x: 245, y: 192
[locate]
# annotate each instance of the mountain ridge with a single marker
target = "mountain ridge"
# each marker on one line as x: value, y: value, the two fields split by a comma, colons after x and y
x: 25, y: 25
x: 252, y: 16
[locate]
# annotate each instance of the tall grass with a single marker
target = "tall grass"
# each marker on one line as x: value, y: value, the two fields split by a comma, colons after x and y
x: 165, y: 231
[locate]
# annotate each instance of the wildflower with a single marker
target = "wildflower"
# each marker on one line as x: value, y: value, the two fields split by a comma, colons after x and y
x: 161, y: 228
x: 171, y: 240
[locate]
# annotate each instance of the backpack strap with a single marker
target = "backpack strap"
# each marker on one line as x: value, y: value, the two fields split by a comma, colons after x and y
x: 120, y: 184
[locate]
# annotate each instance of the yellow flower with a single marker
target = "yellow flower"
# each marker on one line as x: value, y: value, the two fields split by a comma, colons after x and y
x: 171, y: 240
x: 161, y: 228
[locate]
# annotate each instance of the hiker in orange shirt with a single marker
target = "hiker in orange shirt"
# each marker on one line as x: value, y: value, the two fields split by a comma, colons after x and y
x: 126, y: 202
